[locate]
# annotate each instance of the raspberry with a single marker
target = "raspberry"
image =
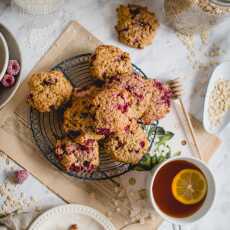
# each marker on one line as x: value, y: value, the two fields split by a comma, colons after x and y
x: 13, y: 67
x: 84, y: 148
x: 89, y: 142
x: 127, y: 128
x: 142, y: 144
x: 123, y: 108
x: 8, y: 80
x: 158, y: 84
x: 90, y: 169
x: 21, y: 176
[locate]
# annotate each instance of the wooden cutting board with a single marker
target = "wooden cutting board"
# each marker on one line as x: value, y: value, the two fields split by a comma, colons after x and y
x: 14, y: 126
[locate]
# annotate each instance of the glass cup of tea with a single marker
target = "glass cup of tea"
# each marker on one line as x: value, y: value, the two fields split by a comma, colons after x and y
x: 181, y: 189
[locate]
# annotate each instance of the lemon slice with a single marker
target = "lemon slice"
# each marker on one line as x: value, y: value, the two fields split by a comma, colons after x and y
x: 189, y: 186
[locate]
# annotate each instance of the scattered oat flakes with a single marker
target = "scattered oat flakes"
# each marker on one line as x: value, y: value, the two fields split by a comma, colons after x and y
x: 121, y: 194
x: 118, y: 209
x: 109, y: 214
x: 116, y: 203
x: 33, y: 199
x: 116, y: 189
x: 204, y: 36
x: 7, y: 161
x: 215, y: 51
x: 142, y: 220
x: 187, y: 40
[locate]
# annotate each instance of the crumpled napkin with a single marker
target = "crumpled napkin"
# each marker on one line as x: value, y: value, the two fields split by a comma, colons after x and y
x: 18, y: 220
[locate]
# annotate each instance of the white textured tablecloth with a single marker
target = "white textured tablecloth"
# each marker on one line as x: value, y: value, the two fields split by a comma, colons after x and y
x: 167, y: 58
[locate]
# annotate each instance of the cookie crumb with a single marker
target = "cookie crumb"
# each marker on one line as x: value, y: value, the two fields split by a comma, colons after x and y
x: 183, y: 142
x: 73, y: 227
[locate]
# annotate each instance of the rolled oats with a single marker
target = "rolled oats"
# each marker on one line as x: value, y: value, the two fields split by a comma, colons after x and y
x: 219, y: 102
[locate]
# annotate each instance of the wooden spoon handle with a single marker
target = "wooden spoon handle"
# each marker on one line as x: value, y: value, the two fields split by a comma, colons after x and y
x: 189, y: 130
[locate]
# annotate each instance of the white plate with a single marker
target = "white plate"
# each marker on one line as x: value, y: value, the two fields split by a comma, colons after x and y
x: 222, y: 71
x: 62, y: 217
x: 6, y: 94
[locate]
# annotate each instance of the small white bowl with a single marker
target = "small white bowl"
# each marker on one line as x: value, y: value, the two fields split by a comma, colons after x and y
x: 222, y: 71
x: 6, y: 94
x: 4, y: 55
x: 207, y: 202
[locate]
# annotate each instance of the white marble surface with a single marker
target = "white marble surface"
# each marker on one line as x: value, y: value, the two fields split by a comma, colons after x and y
x: 166, y: 58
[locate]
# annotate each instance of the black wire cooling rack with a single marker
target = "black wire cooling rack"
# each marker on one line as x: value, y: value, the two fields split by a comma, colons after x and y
x: 47, y: 127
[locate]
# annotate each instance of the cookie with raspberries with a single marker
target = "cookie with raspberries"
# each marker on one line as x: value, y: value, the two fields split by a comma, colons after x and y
x: 80, y: 154
x: 113, y: 110
x: 129, y: 146
x: 77, y: 117
x: 136, y: 25
x: 109, y: 61
x: 159, y: 104
x: 137, y: 87
x: 48, y: 90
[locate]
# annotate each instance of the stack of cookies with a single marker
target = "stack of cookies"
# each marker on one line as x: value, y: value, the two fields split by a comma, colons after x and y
x: 125, y: 101
x: 110, y: 114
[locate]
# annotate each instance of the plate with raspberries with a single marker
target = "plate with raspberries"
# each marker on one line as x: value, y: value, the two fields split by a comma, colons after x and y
x: 94, y: 116
x: 11, y: 78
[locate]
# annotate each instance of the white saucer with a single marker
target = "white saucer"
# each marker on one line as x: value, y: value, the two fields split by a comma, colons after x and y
x: 62, y: 217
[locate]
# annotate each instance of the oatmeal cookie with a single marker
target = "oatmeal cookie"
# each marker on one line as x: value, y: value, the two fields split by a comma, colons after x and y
x: 48, y: 90
x: 138, y: 87
x: 136, y: 26
x: 78, y: 154
x: 113, y: 110
x: 128, y: 147
x: 77, y: 117
x: 109, y: 61
x: 159, y: 104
